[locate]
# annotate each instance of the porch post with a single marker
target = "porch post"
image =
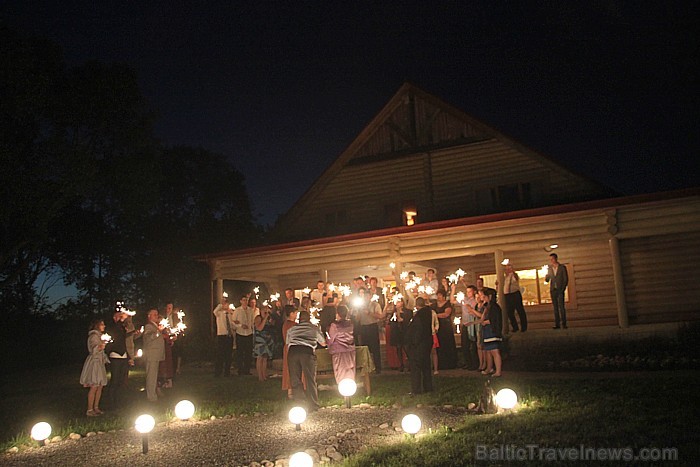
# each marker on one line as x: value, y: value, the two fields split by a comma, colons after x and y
x: 622, y: 314
x: 498, y: 259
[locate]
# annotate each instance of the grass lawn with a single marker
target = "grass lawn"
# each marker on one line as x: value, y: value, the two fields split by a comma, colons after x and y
x: 637, y: 410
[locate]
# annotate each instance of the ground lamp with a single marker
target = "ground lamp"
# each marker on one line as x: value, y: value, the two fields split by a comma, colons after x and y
x: 144, y: 424
x: 184, y: 410
x: 411, y: 424
x: 301, y: 459
x: 40, y: 432
x: 347, y: 389
x: 297, y: 416
x: 506, y: 398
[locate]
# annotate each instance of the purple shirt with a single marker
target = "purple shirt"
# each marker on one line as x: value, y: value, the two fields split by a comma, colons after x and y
x: 340, y: 338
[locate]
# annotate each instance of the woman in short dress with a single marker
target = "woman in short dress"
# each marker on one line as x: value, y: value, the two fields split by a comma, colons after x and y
x: 262, y: 341
x: 94, y: 375
x: 492, y: 322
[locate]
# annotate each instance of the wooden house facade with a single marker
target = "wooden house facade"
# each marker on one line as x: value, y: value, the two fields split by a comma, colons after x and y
x: 476, y: 198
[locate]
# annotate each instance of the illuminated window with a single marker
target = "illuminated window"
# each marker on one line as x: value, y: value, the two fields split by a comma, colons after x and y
x: 532, y: 285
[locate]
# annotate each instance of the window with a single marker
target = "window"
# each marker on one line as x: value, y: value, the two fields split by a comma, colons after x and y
x: 535, y: 291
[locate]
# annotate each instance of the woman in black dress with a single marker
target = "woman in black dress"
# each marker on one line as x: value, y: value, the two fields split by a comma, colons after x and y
x: 447, y: 352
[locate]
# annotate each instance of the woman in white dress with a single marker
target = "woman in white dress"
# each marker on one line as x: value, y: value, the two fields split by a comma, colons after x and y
x: 94, y: 375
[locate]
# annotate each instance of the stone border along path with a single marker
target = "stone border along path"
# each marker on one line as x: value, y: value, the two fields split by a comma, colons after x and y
x: 328, y: 435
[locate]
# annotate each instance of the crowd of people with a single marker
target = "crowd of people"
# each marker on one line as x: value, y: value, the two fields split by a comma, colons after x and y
x: 112, y: 344
x: 416, y: 322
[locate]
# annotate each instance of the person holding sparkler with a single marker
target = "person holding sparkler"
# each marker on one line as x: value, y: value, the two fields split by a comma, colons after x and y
x: 224, y: 337
x: 153, y: 352
x: 94, y: 374
x: 262, y: 340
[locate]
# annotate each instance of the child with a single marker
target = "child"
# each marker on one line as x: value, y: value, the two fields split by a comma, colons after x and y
x: 94, y: 375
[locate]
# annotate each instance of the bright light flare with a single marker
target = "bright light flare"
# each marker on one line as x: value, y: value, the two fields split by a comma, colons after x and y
x: 506, y: 398
x: 184, y: 410
x: 144, y: 423
x: 357, y: 302
x: 106, y: 338
x: 139, y: 353
x: 347, y: 387
x: 41, y: 431
x: 301, y: 459
x: 505, y: 262
x: 306, y: 291
x: 392, y: 265
x: 225, y: 295
x: 411, y: 424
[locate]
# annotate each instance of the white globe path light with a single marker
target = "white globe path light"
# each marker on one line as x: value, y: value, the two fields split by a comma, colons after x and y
x: 411, y: 424
x: 506, y: 398
x: 301, y: 459
x: 297, y: 415
x: 40, y: 432
x: 184, y: 410
x: 347, y: 388
x: 144, y: 424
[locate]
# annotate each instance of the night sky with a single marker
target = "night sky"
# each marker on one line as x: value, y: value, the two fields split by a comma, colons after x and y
x: 609, y: 89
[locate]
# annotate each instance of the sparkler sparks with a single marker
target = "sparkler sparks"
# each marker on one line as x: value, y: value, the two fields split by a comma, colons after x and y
x: 396, y: 298
x: 460, y: 272
x: 375, y: 298
x: 460, y: 297
x: 106, y: 338
x: 306, y: 291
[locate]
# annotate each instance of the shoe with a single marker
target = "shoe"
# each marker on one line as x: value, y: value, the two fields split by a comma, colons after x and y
x: 494, y: 375
x: 487, y: 372
x: 98, y: 411
x: 555, y: 327
x: 515, y: 330
x: 91, y: 413
x: 436, y: 372
x: 565, y: 326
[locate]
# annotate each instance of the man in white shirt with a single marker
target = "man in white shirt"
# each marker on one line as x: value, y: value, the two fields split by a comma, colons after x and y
x: 224, y: 338
x: 242, y: 320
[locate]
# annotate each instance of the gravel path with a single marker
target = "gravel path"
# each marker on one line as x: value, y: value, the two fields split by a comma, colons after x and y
x: 328, y: 435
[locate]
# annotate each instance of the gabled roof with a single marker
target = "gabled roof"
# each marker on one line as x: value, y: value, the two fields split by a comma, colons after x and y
x: 456, y: 128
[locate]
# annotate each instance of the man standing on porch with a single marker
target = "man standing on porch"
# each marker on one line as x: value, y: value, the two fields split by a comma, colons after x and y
x: 558, y: 278
x: 243, y: 324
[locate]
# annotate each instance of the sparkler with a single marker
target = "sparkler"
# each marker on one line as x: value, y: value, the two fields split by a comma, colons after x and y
x: 225, y: 295
x: 275, y: 297
x: 460, y: 272
x: 505, y: 262
x: 375, y: 298
x: 345, y: 289
x: 429, y: 290
x: 164, y: 322
x: 331, y: 287
x: 421, y: 289
x: 452, y: 278
x: 396, y: 298
x: 256, y: 290
x: 403, y: 275
x: 457, y: 321
x: 460, y: 297
x: 106, y: 338
x: 306, y: 291
x: 392, y: 265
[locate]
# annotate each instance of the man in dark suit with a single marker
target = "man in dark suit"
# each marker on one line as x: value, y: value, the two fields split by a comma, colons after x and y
x: 289, y: 299
x: 558, y: 278
x: 419, y: 340
x: 118, y: 358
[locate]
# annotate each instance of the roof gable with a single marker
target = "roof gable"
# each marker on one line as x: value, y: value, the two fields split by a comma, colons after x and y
x: 411, y: 123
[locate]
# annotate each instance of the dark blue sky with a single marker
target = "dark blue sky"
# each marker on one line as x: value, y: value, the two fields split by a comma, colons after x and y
x: 609, y: 89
